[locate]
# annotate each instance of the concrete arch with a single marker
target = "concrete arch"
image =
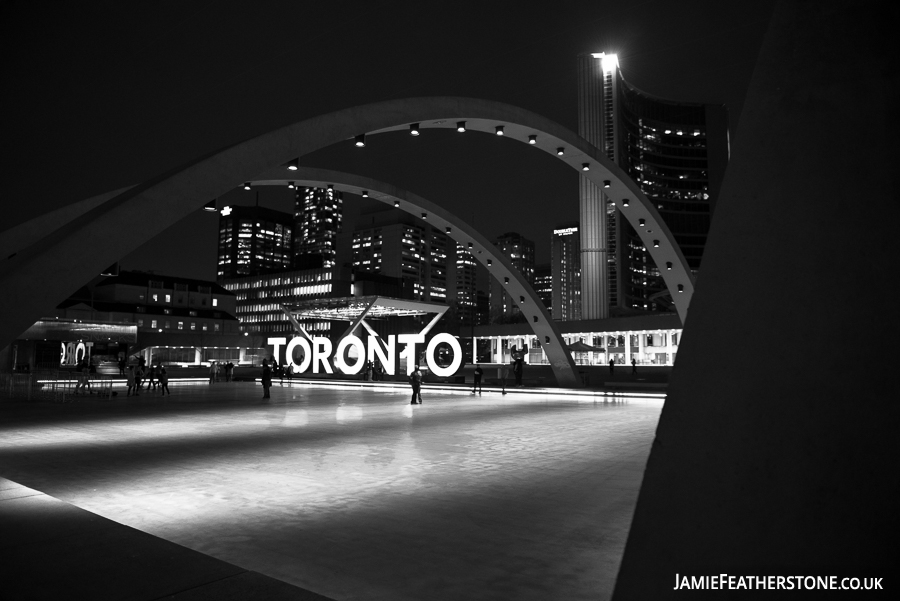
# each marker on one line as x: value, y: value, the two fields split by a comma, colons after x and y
x: 36, y: 277
x: 497, y: 264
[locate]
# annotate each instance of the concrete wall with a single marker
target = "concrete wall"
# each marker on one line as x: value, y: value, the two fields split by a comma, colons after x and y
x: 767, y: 471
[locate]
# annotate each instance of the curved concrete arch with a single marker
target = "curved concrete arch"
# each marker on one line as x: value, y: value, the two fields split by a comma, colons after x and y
x: 39, y: 276
x: 497, y: 264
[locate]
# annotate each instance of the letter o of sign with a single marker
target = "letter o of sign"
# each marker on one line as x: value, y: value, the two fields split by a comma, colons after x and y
x: 80, y: 352
x: 443, y: 372
x: 356, y: 343
x: 307, y: 353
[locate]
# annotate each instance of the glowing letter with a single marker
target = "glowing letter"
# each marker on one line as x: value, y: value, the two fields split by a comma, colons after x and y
x: 410, y: 340
x: 321, y: 350
x: 307, y: 353
x: 356, y: 343
x: 436, y: 369
x: 276, y: 348
x: 387, y: 357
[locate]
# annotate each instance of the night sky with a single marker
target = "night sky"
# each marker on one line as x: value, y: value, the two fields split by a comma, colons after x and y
x: 113, y: 94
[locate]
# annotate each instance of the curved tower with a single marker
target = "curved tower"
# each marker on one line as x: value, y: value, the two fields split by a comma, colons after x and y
x: 676, y: 152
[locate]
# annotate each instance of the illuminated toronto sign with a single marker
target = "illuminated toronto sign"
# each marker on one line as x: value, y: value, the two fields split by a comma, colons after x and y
x: 71, y: 353
x: 318, y: 353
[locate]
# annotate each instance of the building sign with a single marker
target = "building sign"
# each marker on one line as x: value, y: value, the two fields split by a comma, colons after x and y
x: 319, y: 353
x: 566, y: 231
x: 72, y: 353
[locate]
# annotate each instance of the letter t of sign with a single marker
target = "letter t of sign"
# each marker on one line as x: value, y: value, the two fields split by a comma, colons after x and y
x: 411, y: 340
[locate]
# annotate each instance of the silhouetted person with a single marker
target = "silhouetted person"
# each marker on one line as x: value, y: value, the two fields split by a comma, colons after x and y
x: 612, y: 366
x: 633, y: 366
x: 266, y: 379
x: 518, y: 368
x: 129, y: 381
x: 478, y: 373
x: 415, y: 380
x: 163, y: 378
x: 502, y: 372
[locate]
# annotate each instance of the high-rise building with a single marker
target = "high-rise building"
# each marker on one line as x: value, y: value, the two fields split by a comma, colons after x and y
x: 520, y: 251
x: 253, y: 240
x: 543, y: 284
x: 464, y: 289
x: 676, y: 152
x: 396, y: 244
x: 318, y: 216
x: 565, y: 253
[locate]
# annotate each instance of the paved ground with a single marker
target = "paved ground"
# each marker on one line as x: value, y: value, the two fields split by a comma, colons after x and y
x: 355, y: 494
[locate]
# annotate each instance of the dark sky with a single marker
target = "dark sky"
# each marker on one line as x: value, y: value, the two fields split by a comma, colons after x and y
x: 112, y: 94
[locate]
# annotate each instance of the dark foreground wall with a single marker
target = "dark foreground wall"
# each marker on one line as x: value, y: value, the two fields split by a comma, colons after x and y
x: 757, y: 469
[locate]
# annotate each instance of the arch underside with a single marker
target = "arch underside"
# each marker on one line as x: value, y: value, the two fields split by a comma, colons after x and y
x: 43, y: 267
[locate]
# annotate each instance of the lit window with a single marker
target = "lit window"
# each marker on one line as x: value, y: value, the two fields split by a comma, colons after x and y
x: 180, y: 325
x: 215, y: 302
x: 153, y: 323
x: 193, y: 325
x: 168, y: 298
x: 155, y: 298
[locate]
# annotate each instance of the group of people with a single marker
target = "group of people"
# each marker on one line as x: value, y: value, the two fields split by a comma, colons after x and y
x: 612, y: 366
x: 218, y: 370
x: 86, y: 369
x: 373, y: 371
x: 155, y: 378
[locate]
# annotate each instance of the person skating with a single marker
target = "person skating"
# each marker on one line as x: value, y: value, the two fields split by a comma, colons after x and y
x: 415, y: 380
x: 478, y: 373
x: 163, y: 378
x: 266, y: 379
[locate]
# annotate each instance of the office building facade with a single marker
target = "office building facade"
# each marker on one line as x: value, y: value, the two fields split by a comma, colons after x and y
x: 396, y: 244
x: 676, y: 152
x: 565, y: 252
x: 318, y: 219
x: 520, y: 251
x: 253, y: 240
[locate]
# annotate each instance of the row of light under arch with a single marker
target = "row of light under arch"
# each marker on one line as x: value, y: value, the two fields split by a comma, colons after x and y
x: 414, y: 130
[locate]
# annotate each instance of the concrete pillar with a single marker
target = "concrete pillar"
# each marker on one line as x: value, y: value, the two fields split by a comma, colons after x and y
x: 758, y: 469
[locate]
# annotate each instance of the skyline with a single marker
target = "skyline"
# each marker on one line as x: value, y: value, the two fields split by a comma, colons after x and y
x: 180, y: 85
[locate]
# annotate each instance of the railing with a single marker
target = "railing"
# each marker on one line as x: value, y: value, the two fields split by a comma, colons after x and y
x: 59, y: 386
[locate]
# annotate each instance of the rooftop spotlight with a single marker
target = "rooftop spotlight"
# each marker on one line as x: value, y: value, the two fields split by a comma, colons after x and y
x: 424, y: 215
x: 532, y: 139
x: 506, y: 280
x: 246, y: 185
x: 656, y: 244
x: 642, y: 222
x: 606, y: 183
x: 624, y: 202
x: 546, y: 340
x: 294, y: 164
x: 560, y: 151
x: 292, y: 185
x: 489, y: 262
x: 522, y: 299
x: 331, y: 187
x: 470, y: 245
x: 449, y: 229
x: 210, y: 206
x: 396, y: 203
x: 585, y: 166
x: 365, y: 193
x: 668, y: 266
x: 360, y: 140
x: 498, y: 130
x: 680, y: 287
x: 414, y: 129
x: 460, y: 126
